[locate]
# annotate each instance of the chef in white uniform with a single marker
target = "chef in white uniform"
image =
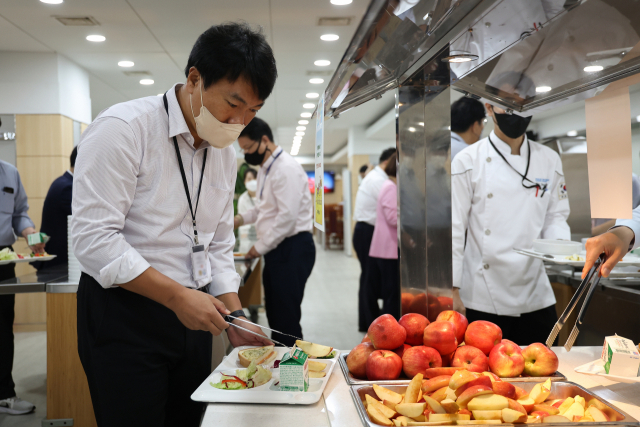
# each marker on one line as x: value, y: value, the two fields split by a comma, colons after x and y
x: 506, y: 191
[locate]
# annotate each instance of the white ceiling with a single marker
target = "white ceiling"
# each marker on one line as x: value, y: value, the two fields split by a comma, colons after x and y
x: 158, y: 35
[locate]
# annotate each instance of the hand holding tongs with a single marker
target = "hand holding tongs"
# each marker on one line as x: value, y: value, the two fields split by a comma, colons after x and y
x: 259, y: 326
x: 582, y: 289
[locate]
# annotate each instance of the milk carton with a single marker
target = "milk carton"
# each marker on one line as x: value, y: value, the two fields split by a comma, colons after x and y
x: 294, y: 371
x: 620, y: 357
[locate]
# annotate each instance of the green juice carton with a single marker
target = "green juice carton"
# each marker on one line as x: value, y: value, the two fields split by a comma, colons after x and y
x: 620, y: 357
x: 294, y: 371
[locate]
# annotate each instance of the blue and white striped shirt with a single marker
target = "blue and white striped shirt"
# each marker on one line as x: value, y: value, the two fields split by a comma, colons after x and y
x: 13, y: 205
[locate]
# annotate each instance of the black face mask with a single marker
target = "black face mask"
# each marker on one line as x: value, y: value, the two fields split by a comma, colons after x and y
x: 512, y: 125
x: 255, y: 158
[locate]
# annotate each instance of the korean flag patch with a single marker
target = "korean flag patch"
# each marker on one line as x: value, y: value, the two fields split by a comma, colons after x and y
x: 562, y: 191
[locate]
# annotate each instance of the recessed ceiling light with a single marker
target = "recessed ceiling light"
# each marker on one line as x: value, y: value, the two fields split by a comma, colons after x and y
x: 322, y: 63
x: 299, y: 133
x: 96, y: 38
x: 593, y: 68
x: 421, y: 123
x: 572, y: 133
x: 51, y: 1
x: 303, y: 122
x: 308, y: 105
x: 329, y: 37
x: 312, y: 95
x: 126, y: 64
x: 301, y: 128
x: 316, y: 81
x: 638, y: 119
x: 146, y: 82
x: 412, y: 129
x: 341, y: 2
x: 305, y: 115
x: 543, y: 89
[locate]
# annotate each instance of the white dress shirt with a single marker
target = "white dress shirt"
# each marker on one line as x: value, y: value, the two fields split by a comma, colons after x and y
x: 457, y: 145
x: 498, y: 213
x: 246, y: 202
x: 284, y: 207
x: 367, y: 196
x: 130, y: 210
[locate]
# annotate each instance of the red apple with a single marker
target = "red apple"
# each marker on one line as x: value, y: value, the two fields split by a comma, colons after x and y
x: 400, y: 350
x: 433, y: 307
x: 484, y: 381
x: 366, y: 338
x: 446, y: 303
x: 483, y: 335
x: 539, y: 360
x: 419, y: 304
x: 470, y: 358
x: 357, y: 359
x: 383, y: 365
x: 441, y: 336
x: 414, y: 324
x: 505, y: 360
x: 458, y: 320
x: 385, y: 333
x: 406, y: 299
x: 416, y: 360
x: 521, y: 393
x: 505, y: 389
x: 539, y: 414
x: 447, y: 359
x: 516, y: 406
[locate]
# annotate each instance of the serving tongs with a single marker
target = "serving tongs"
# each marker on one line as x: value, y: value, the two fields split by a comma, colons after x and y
x: 585, y: 287
x: 261, y: 327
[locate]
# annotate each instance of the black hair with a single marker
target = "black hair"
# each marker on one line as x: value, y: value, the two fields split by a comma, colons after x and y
x: 386, y: 154
x: 74, y: 154
x: 465, y: 112
x: 256, y: 129
x: 391, y: 167
x: 249, y: 171
x: 364, y: 168
x: 232, y: 50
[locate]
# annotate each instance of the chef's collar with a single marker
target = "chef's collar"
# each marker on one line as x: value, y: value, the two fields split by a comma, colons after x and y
x: 505, y: 148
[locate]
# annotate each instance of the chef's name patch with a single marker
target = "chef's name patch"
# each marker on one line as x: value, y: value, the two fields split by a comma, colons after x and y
x: 562, y: 191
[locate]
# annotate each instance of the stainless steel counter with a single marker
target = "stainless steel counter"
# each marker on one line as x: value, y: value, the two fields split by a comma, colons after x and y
x: 35, y: 282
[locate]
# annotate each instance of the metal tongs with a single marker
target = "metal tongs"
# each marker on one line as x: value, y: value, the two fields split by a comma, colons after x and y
x: 261, y: 327
x: 582, y: 289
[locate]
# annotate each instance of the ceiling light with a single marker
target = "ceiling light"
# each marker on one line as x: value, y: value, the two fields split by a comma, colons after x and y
x: 638, y: 119
x: 316, y: 81
x: 308, y: 105
x: 303, y: 122
x: 146, y: 82
x: 593, y: 68
x: 305, y: 115
x: 341, y: 2
x: 461, y: 57
x: 421, y: 123
x: 312, y: 95
x: 412, y: 129
x: 51, y: 1
x: 572, y: 133
x: 329, y: 37
x: 96, y: 38
x: 126, y: 64
x: 299, y: 133
x: 301, y: 128
x: 322, y: 63
x: 543, y: 89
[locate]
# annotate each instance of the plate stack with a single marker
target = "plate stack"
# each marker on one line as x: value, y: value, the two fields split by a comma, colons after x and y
x: 74, y: 265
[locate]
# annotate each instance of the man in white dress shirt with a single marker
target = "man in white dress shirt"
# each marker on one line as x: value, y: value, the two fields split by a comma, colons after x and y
x: 153, y: 231
x: 467, y: 123
x: 365, y: 216
x: 506, y: 191
x: 283, y: 216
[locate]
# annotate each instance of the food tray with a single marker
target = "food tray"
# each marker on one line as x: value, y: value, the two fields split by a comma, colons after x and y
x: 628, y: 259
x: 351, y: 380
x: 266, y: 393
x: 28, y: 260
x: 559, y: 390
x: 597, y: 368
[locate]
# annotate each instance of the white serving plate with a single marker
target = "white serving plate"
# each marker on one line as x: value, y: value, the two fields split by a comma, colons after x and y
x: 28, y: 260
x: 266, y: 393
x: 628, y: 259
x: 560, y: 247
x: 597, y: 368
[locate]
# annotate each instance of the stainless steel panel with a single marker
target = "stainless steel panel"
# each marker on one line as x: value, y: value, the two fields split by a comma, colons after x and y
x: 62, y: 288
x: 24, y: 288
x: 559, y: 390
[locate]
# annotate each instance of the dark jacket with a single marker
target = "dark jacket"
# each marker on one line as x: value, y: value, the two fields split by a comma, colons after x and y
x: 57, y: 206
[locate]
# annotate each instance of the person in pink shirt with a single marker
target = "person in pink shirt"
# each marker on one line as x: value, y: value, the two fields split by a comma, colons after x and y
x: 383, y: 280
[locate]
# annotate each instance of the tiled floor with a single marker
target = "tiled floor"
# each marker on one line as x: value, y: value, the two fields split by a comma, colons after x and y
x: 329, y: 316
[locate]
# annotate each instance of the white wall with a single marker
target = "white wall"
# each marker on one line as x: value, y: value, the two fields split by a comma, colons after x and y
x: 74, y: 91
x: 358, y: 143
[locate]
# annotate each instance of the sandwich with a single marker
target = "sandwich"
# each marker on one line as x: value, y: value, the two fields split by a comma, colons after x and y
x: 259, y: 355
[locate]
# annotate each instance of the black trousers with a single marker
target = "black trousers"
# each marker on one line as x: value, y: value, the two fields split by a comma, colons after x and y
x: 7, y: 314
x: 382, y: 282
x: 524, y: 330
x: 285, y: 274
x: 141, y: 363
x: 362, y: 235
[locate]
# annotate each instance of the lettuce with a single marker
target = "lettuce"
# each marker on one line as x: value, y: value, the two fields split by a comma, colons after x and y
x: 329, y: 356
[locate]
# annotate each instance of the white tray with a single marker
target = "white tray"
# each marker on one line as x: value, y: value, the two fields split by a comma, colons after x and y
x: 597, y: 368
x: 267, y: 393
x: 628, y: 259
x: 28, y: 260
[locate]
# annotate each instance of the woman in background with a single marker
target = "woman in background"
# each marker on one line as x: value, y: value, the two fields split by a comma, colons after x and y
x: 247, y: 200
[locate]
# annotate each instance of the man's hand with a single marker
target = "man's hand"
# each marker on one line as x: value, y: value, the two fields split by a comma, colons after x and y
x: 614, y: 244
x: 457, y: 302
x: 37, y: 248
x: 238, y: 337
x: 199, y: 311
x: 253, y: 253
x: 237, y: 221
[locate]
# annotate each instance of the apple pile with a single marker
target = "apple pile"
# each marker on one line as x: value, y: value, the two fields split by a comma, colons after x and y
x: 414, y: 345
x: 426, y: 304
x: 478, y: 398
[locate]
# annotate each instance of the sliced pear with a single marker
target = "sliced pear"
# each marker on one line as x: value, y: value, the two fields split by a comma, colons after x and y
x: 316, y: 366
x: 314, y: 350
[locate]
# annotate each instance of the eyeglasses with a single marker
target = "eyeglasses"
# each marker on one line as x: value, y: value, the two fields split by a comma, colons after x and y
x: 246, y: 150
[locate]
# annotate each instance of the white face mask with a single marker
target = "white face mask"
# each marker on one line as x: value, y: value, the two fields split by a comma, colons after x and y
x: 212, y: 130
x: 251, y: 185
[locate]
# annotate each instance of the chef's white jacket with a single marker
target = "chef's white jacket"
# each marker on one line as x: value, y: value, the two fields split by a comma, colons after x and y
x: 498, y: 214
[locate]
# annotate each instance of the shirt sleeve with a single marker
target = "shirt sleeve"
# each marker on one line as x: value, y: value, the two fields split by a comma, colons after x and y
x: 633, y: 224
x: 103, y: 190
x: 20, y: 219
x: 389, y: 202
x: 461, y: 196
x: 555, y: 221
x: 250, y: 216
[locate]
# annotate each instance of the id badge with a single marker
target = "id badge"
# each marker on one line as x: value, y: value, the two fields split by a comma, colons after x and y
x: 199, y: 262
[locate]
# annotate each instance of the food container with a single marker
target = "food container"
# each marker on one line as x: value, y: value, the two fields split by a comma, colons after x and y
x: 557, y: 247
x: 351, y: 380
x: 559, y: 390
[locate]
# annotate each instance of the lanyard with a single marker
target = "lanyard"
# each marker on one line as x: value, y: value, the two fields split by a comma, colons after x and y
x: 535, y: 185
x: 184, y: 177
x: 267, y: 173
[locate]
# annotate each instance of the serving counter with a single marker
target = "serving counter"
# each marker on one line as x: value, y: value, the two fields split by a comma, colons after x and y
x: 336, y: 409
